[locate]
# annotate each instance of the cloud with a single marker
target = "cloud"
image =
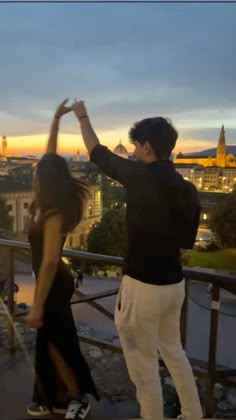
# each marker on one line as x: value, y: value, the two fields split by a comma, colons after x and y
x: 127, y: 60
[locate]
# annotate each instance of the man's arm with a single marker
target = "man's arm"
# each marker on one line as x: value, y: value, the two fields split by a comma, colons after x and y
x: 123, y: 170
x: 193, y: 207
x: 89, y: 136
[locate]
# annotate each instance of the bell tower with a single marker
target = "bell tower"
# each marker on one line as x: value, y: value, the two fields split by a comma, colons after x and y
x: 4, y: 145
x: 78, y: 155
x: 221, y: 149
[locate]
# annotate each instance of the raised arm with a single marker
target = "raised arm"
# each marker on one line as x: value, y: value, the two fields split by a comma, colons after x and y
x: 123, y: 170
x: 89, y: 136
x: 52, y: 140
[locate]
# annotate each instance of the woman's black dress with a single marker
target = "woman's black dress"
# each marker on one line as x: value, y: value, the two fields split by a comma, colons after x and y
x: 59, y: 329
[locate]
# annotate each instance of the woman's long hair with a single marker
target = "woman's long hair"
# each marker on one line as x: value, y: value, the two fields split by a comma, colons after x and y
x: 56, y: 190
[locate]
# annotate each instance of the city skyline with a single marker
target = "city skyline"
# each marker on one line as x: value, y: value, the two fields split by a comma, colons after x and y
x: 128, y: 61
x: 74, y: 143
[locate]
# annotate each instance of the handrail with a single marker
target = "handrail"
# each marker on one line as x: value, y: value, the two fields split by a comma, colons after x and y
x: 15, y: 244
x: 66, y: 252
x: 224, y: 281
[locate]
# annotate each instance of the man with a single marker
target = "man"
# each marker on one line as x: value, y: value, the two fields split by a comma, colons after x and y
x: 162, y: 217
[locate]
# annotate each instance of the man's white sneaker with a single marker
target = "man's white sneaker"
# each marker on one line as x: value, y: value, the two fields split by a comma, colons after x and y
x: 78, y: 409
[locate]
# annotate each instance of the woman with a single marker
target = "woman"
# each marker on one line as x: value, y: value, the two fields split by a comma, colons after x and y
x: 59, y: 365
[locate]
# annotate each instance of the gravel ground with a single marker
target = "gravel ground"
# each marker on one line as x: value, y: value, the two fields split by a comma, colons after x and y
x: 111, y: 376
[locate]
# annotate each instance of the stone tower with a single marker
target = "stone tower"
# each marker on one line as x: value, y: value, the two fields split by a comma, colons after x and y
x: 4, y: 146
x: 221, y: 149
x: 78, y: 155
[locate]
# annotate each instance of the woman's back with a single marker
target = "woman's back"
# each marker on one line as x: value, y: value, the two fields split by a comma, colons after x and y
x: 63, y: 284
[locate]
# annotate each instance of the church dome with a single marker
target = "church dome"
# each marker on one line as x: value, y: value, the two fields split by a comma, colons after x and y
x: 180, y: 155
x: 120, y: 150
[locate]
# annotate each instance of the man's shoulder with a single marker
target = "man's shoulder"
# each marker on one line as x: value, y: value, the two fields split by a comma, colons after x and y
x: 189, y: 186
x: 125, y: 171
x: 191, y: 193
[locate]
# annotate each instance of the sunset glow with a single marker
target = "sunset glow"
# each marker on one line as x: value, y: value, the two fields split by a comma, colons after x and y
x: 70, y: 143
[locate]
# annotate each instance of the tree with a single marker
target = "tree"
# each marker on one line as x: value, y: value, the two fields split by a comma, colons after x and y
x: 6, y: 221
x: 113, y: 195
x: 109, y: 237
x: 223, y: 220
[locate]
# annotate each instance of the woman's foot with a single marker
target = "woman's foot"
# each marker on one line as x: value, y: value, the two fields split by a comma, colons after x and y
x: 60, y: 408
x: 38, y: 410
x: 78, y: 409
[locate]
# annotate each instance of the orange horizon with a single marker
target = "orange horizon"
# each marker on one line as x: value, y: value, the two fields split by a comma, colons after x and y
x: 70, y: 143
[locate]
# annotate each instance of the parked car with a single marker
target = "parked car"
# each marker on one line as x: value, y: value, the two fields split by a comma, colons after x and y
x: 205, y: 240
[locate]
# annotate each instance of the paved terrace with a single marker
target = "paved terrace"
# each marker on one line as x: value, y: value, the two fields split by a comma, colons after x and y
x: 15, y: 393
x: 16, y: 377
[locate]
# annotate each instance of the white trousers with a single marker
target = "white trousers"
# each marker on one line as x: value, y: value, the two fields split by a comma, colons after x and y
x: 147, y: 318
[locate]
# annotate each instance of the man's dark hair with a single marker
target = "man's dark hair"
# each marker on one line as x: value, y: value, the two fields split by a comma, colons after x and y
x: 159, y: 132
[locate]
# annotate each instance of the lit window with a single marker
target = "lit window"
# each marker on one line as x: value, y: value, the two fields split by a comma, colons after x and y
x: 97, y: 202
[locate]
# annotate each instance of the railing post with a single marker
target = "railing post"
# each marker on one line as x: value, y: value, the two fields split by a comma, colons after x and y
x: 215, y: 306
x: 7, y: 273
x: 10, y: 300
x: 184, y: 317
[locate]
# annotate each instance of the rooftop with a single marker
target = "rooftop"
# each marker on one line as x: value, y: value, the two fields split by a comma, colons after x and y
x: 196, y: 156
x: 11, y: 186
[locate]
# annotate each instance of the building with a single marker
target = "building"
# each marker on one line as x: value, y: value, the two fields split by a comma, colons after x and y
x: 215, y: 157
x: 22, y: 160
x: 198, y: 176
x: 121, y: 151
x: 18, y: 197
x: 228, y: 179
x: 213, y: 170
x: 92, y: 215
x: 21, y: 173
x: 188, y: 170
x: 3, y: 168
x: 14, y: 159
x: 212, y: 178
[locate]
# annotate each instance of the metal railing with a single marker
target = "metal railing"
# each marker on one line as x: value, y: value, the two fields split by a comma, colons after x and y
x: 218, y: 281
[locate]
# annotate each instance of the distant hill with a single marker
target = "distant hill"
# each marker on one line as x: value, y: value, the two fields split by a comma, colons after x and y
x: 212, y: 152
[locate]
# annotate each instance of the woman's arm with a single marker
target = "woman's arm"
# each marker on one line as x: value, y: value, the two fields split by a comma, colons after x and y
x: 52, y: 140
x: 51, y: 257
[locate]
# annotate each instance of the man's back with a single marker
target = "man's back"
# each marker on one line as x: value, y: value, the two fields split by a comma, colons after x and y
x: 152, y: 216
x: 149, y: 302
x: 155, y: 209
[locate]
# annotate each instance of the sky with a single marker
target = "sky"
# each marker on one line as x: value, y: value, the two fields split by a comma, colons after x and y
x: 127, y: 61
